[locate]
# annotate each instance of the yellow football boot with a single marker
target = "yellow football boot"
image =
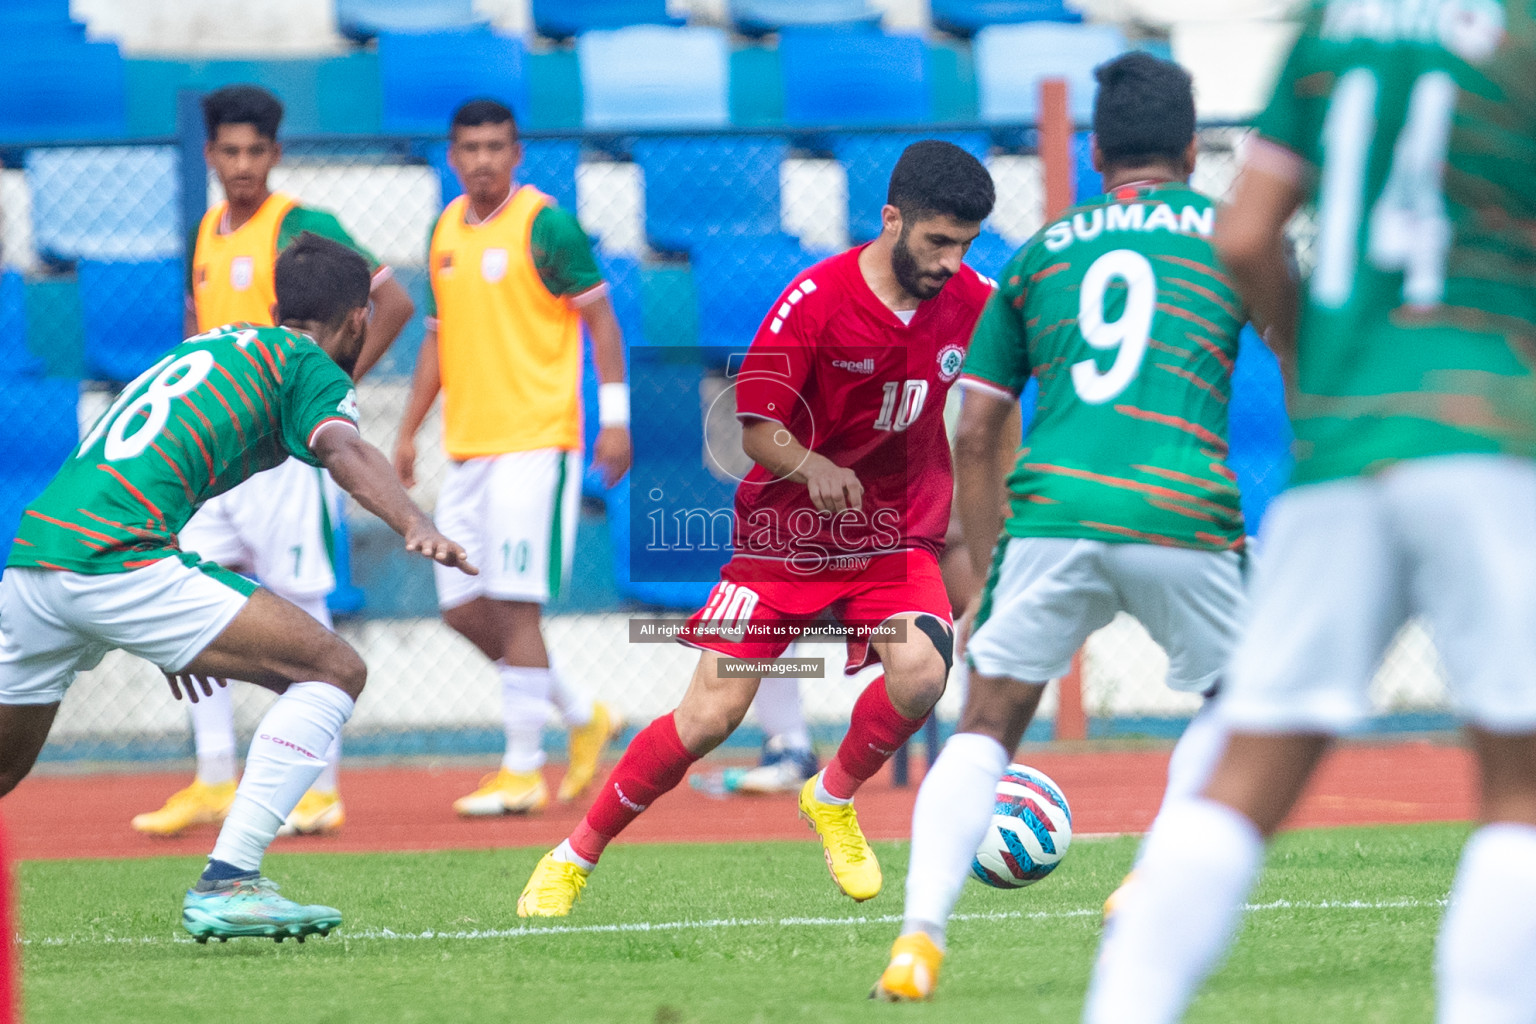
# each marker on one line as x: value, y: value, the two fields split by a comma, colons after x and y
x: 198, y: 804
x: 316, y: 814
x: 849, y: 858
x: 1117, y: 898
x: 586, y: 750
x: 913, y: 971
x: 552, y: 888
x: 505, y: 792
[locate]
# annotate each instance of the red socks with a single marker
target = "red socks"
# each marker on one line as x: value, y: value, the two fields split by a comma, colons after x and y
x: 877, y: 731
x: 653, y: 764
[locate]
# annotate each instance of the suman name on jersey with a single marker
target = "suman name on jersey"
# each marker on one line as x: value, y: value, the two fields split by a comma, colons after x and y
x: 1084, y: 227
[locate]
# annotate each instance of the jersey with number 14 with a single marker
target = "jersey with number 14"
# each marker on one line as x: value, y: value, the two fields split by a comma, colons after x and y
x: 1119, y: 311
x: 214, y: 411
x: 1418, y: 328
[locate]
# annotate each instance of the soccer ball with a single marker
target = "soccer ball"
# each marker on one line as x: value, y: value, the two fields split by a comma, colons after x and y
x: 1030, y: 831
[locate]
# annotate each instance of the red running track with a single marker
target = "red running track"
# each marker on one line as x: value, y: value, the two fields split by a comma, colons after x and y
x: 54, y: 816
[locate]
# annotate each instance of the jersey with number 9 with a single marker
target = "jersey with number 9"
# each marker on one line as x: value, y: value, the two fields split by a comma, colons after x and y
x: 1418, y: 328
x: 215, y: 410
x: 1118, y: 309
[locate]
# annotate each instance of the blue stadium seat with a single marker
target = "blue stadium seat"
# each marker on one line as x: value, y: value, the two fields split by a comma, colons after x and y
x: 105, y: 203
x: 331, y: 95
x: 869, y: 159
x: 554, y: 90
x: 965, y: 17
x: 38, y: 429
x: 759, y: 17
x: 703, y: 187
x: 364, y: 19
x: 757, y: 87
x: 561, y: 19
x: 854, y: 76
x: 426, y: 76
x: 653, y: 76
x: 739, y: 282
x: 60, y: 89
x: 548, y: 164
x: 16, y: 360
x: 1011, y: 60
x: 133, y: 314
x: 990, y: 253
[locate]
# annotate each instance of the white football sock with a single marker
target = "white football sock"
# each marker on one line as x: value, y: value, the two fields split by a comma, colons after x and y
x: 1487, y: 942
x: 779, y: 712
x: 949, y: 820
x: 570, y: 856
x: 286, y: 755
x: 314, y: 605
x: 213, y: 736
x: 329, y: 779
x: 1197, y: 869
x: 1194, y: 759
x: 574, y: 706
x: 525, y: 709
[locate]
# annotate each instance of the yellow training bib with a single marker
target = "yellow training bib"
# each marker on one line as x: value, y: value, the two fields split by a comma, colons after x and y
x: 232, y: 274
x: 509, y: 351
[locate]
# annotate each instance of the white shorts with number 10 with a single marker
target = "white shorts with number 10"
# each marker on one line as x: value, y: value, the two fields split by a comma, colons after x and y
x: 516, y: 516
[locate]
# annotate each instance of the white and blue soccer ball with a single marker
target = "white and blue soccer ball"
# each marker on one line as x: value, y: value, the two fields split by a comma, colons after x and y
x: 1030, y: 831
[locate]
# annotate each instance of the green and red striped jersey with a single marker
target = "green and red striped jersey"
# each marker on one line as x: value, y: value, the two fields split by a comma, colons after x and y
x: 214, y: 411
x: 1415, y: 125
x: 1118, y: 309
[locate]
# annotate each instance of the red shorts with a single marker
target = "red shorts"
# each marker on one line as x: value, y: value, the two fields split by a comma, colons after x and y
x: 767, y: 604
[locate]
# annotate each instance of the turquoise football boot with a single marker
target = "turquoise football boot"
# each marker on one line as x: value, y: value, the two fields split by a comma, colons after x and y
x: 251, y: 907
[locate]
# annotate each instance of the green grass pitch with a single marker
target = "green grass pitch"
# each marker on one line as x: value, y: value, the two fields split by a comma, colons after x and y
x: 1343, y: 931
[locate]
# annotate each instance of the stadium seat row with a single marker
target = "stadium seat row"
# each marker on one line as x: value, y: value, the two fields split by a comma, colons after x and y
x: 561, y: 19
x: 54, y: 85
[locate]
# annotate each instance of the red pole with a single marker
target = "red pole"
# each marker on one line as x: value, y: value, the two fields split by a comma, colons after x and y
x: 1055, y: 131
x: 1060, y: 189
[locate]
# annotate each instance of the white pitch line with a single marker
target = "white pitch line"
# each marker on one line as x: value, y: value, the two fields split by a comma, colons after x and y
x: 526, y: 932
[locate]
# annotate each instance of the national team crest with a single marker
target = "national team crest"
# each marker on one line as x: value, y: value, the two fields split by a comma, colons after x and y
x: 951, y: 358
x: 242, y: 271
x: 493, y: 264
x: 348, y: 406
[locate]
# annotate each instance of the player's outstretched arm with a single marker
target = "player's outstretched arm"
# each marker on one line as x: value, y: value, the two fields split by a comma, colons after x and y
x: 362, y: 471
x: 1250, y: 240
x: 986, y: 426
x: 425, y: 384
x: 769, y: 443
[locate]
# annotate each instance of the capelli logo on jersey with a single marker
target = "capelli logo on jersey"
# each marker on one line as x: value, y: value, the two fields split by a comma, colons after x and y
x: 856, y: 366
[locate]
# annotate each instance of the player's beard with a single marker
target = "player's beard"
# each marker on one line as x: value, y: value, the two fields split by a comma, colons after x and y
x: 911, y: 278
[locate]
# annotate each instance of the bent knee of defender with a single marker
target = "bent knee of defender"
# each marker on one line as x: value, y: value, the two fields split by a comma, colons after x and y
x: 345, y: 670
x: 915, y: 685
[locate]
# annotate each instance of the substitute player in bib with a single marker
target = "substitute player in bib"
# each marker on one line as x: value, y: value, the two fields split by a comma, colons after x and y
x: 1120, y: 497
x: 513, y: 283
x: 842, y: 397
x: 277, y: 527
x: 1410, y: 347
x: 96, y: 566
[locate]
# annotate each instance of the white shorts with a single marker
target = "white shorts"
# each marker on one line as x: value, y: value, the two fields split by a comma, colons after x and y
x: 1347, y: 562
x: 276, y: 527
x: 516, y: 515
x: 55, y: 624
x: 1050, y: 593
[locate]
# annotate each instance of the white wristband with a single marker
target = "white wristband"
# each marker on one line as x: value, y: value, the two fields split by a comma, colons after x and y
x: 613, y: 405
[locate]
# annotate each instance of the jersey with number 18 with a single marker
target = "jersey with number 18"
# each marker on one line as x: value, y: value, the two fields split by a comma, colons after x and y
x: 214, y: 411
x: 1119, y: 310
x: 1415, y: 128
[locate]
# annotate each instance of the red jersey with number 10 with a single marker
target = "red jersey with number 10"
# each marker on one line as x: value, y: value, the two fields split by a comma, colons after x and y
x: 856, y: 385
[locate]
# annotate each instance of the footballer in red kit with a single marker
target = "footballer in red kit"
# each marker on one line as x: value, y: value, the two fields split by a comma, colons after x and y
x: 841, y: 398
